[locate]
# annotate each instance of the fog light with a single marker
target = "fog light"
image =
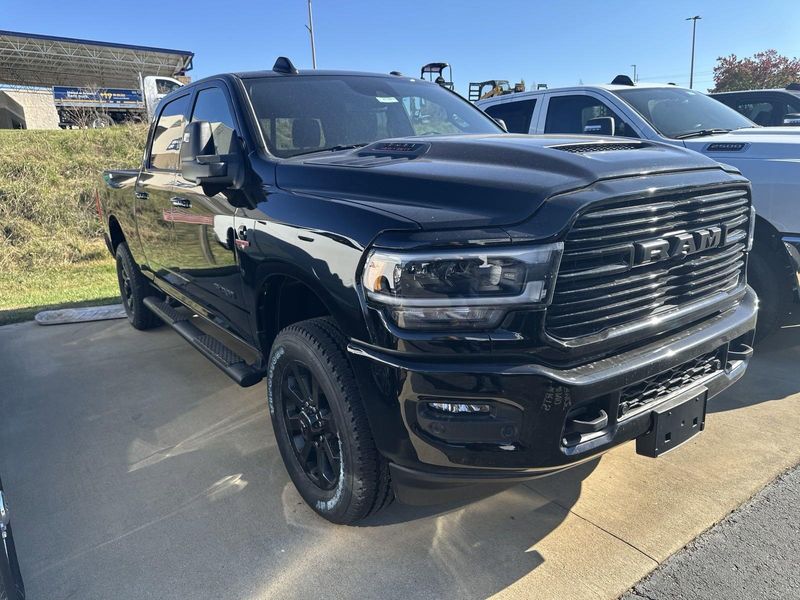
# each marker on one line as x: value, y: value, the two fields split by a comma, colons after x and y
x: 457, y: 408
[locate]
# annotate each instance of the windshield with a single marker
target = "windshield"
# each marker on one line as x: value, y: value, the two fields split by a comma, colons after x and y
x: 299, y: 115
x: 676, y: 112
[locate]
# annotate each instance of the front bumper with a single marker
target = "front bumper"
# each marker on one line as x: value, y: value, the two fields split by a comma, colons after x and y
x: 529, y: 433
x: 792, y: 244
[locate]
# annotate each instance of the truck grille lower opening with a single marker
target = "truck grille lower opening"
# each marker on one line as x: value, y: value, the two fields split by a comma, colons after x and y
x: 660, y: 386
x: 600, y: 285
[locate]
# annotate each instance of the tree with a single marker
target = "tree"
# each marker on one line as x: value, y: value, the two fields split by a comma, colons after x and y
x: 766, y: 69
x: 87, y: 116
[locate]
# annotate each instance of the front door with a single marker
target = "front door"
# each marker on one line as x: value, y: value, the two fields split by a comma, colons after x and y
x: 154, y: 187
x: 204, y: 228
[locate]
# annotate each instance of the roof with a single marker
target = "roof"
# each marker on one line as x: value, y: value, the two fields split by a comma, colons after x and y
x: 769, y: 90
x: 317, y: 72
x: 575, y: 88
x: 28, y: 59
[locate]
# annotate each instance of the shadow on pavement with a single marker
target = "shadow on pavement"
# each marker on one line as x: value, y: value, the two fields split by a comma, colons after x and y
x: 771, y: 374
x: 136, y: 469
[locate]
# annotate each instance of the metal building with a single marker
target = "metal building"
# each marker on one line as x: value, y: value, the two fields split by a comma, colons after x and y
x: 31, y: 64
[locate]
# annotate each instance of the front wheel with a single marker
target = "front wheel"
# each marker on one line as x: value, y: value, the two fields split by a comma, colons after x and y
x: 321, y: 426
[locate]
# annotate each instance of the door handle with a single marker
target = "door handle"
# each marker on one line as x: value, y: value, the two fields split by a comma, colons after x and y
x: 180, y: 202
x: 141, y: 195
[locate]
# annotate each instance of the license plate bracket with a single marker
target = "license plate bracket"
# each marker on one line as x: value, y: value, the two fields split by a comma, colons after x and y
x: 674, y: 422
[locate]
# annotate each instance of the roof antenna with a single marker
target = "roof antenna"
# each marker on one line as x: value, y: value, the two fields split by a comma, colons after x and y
x: 622, y: 80
x: 285, y: 66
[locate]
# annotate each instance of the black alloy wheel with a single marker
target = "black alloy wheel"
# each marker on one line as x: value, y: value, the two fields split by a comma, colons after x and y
x: 310, y: 426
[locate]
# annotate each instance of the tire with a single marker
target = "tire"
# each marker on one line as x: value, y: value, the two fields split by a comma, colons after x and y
x: 770, y: 282
x: 134, y: 288
x: 321, y: 426
x: 101, y: 122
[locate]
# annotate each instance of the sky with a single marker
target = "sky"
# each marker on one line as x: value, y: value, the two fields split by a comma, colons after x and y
x: 558, y: 43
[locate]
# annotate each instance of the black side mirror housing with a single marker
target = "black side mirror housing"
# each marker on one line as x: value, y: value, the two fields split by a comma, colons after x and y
x: 600, y: 126
x: 200, y: 165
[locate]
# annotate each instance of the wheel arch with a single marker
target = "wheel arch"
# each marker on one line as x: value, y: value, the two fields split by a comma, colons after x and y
x: 286, y: 297
x: 115, y: 234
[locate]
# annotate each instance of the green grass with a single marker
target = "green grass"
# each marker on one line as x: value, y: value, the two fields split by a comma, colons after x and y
x: 23, y: 294
x: 51, y: 246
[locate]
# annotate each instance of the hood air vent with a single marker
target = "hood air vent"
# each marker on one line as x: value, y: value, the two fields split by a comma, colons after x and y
x: 600, y: 147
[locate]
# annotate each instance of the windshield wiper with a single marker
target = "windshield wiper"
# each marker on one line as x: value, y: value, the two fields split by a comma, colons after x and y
x: 334, y: 148
x: 701, y: 133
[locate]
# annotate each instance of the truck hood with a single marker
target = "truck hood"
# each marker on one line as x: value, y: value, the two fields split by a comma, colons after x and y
x: 753, y: 142
x: 475, y: 180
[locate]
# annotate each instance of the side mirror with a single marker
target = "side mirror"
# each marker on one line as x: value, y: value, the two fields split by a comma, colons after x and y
x: 600, y: 126
x: 502, y: 124
x: 200, y: 165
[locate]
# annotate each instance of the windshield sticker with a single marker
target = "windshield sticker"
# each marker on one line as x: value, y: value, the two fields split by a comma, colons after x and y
x: 386, y: 99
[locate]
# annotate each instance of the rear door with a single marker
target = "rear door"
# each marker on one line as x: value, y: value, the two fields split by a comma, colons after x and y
x: 154, y: 185
x: 568, y: 112
x: 516, y: 114
x: 207, y: 266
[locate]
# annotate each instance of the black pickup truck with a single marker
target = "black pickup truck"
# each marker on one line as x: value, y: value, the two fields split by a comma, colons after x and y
x: 437, y: 306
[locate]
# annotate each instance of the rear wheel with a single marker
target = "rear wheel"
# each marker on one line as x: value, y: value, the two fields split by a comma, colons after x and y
x: 321, y: 426
x: 134, y: 288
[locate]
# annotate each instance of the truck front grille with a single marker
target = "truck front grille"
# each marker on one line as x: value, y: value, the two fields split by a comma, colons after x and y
x: 660, y: 386
x: 601, y: 282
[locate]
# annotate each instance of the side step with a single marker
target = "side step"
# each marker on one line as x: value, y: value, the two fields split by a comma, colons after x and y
x: 233, y: 365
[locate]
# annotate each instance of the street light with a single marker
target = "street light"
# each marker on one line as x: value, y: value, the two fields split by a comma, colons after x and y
x: 310, y: 28
x: 694, y: 31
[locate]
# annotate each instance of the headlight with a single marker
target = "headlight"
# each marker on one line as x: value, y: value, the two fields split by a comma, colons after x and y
x: 459, y: 289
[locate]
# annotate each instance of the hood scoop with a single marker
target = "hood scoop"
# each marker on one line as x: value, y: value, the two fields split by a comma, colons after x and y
x: 584, y: 148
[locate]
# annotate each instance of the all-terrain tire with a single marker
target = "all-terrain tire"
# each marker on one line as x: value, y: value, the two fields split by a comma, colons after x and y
x: 771, y: 283
x: 134, y: 288
x: 362, y: 486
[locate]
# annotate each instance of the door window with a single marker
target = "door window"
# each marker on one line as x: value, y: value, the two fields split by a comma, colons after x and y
x: 166, y: 146
x: 516, y: 115
x: 761, y: 113
x: 212, y: 106
x: 569, y: 114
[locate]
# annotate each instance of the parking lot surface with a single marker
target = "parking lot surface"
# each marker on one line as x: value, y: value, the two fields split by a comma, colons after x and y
x: 751, y: 554
x: 135, y: 469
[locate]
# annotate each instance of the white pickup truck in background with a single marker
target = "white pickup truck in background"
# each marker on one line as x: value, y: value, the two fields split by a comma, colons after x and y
x: 768, y: 157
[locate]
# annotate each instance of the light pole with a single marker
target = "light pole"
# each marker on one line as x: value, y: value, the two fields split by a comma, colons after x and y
x: 634, y: 73
x: 310, y: 28
x: 694, y: 31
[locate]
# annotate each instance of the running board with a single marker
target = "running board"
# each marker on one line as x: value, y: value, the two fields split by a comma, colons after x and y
x: 233, y: 365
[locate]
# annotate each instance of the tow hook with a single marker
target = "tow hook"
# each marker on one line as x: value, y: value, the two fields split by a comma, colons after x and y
x: 4, y: 518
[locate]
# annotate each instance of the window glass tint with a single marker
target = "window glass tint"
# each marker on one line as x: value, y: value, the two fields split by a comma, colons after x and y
x: 168, y: 133
x: 761, y: 113
x: 516, y: 115
x: 310, y: 113
x: 676, y: 112
x: 569, y: 114
x: 211, y: 105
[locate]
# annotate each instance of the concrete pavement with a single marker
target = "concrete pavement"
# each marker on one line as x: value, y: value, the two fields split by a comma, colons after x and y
x: 137, y: 470
x: 751, y: 554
